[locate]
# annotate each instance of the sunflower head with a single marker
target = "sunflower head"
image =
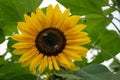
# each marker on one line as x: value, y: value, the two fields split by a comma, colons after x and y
x: 50, y: 40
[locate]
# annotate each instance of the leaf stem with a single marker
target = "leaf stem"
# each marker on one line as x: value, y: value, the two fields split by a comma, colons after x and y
x: 109, y: 54
x: 115, y: 26
x: 117, y: 19
x: 112, y: 23
x: 114, y: 8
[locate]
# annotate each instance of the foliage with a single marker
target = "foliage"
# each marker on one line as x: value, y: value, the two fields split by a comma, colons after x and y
x: 106, y: 42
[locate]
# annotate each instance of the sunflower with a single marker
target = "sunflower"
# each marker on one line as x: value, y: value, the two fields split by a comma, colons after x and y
x: 50, y: 40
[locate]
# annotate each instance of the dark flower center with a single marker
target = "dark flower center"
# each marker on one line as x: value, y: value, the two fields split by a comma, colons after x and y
x: 50, y: 41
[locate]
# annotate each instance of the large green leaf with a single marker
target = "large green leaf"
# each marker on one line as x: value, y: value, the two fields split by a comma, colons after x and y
x: 24, y: 77
x: 82, y: 7
x: 90, y: 72
x: 104, y: 2
x: 109, y: 41
x: 94, y: 72
x: 116, y: 76
x: 10, y: 69
x: 96, y: 24
x: 12, y: 11
x: 68, y: 76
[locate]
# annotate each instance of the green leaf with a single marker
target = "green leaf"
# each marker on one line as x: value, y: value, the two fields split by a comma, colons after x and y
x: 104, y: 2
x: 96, y: 24
x: 94, y: 72
x: 12, y: 12
x: 108, y: 11
x: 2, y: 36
x: 67, y: 76
x: 82, y: 7
x: 26, y: 6
x: 9, y: 70
x: 82, y: 63
x: 10, y: 28
x: 115, y: 66
x: 109, y: 41
x: 10, y: 43
x: 12, y: 68
x: 116, y: 76
x: 24, y: 77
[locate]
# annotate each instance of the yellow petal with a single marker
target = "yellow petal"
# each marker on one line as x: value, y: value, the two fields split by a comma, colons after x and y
x: 78, y: 49
x: 64, y: 16
x: 26, y: 29
x: 43, y: 64
x: 42, y: 18
x: 36, y: 61
x: 50, y: 63
x: 21, y: 37
x: 20, y: 51
x: 55, y: 63
x: 26, y: 63
x: 61, y: 63
x: 56, y: 16
x: 36, y: 22
x: 21, y: 45
x: 78, y: 28
x: 70, y: 22
x: 28, y: 55
x: 72, y: 54
x: 80, y: 41
x: 75, y: 47
x: 49, y: 14
x: 64, y: 61
x: 77, y: 36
